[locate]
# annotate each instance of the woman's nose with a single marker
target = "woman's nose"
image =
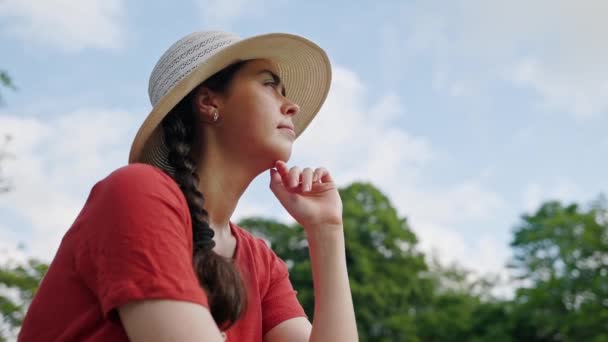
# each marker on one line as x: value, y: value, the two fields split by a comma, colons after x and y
x: 290, y: 108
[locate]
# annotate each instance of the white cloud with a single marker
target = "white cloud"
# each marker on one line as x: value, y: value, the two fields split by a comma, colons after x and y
x: 222, y: 14
x: 56, y: 163
x: 70, y: 25
x: 360, y: 141
x: 460, y: 203
x: 584, y: 98
x: 59, y: 159
x: 456, y: 88
x: 551, y: 47
x: 9, y: 250
x: 484, y: 255
x: 535, y: 194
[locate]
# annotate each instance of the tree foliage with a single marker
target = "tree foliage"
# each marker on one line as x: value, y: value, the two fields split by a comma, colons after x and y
x: 561, y: 253
x: 560, y: 256
x: 18, y: 284
x: 462, y: 308
x: 5, y: 184
x: 6, y: 82
x: 387, y: 274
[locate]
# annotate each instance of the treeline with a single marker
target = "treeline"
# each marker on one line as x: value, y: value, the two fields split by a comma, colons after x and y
x: 560, y: 263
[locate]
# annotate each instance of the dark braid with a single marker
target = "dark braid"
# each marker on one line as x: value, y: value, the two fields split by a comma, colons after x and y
x: 219, y: 276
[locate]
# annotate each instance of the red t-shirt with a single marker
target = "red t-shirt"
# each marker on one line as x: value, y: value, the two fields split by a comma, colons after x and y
x: 133, y: 241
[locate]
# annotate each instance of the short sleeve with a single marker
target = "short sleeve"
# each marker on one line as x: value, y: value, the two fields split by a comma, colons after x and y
x: 280, y: 302
x: 136, y: 241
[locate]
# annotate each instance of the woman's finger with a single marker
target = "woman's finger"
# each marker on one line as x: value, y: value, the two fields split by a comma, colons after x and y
x: 321, y: 175
x: 283, y: 171
x: 294, y: 177
x: 316, y: 178
x: 282, y: 168
x: 276, y: 184
x: 306, y: 179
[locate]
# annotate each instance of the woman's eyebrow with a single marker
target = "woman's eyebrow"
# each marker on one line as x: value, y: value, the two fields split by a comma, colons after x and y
x: 275, y: 78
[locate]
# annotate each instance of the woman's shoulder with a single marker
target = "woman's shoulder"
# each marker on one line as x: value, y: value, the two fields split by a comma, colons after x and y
x: 135, y: 184
x: 133, y: 201
x: 136, y: 171
x: 138, y: 177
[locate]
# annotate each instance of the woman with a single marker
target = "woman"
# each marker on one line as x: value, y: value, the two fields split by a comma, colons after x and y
x: 153, y: 255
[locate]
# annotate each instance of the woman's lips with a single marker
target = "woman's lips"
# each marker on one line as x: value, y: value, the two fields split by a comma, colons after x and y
x: 288, y: 129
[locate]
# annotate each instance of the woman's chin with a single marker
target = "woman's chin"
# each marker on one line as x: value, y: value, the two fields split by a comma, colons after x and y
x: 283, y: 155
x: 282, y: 150
x: 286, y: 154
x: 276, y: 151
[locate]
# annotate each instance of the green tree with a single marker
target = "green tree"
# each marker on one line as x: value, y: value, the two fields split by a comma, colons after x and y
x: 18, y: 284
x: 19, y: 281
x: 463, y: 308
x: 6, y: 82
x: 5, y: 185
x: 561, y: 256
x: 388, y: 276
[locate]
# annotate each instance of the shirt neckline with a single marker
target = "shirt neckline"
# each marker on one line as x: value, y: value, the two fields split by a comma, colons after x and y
x: 237, y: 238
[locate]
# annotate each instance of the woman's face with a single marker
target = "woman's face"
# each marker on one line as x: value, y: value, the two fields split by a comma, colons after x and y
x: 256, y: 116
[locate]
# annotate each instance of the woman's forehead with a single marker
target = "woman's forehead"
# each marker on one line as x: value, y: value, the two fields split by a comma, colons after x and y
x: 257, y: 65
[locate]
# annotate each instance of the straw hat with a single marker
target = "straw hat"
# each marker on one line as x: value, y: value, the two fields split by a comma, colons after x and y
x: 302, y: 65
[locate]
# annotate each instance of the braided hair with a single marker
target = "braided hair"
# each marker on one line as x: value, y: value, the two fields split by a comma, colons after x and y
x: 217, y: 275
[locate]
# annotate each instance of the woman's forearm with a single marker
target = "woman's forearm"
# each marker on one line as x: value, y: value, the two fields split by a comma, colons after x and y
x: 334, y: 315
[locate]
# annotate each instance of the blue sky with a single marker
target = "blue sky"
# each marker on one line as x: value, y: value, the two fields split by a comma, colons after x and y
x: 466, y: 114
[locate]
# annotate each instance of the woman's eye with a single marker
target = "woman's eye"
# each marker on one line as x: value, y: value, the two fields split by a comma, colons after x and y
x: 274, y: 84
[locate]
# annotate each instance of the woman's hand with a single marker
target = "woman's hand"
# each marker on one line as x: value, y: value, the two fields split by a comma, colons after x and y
x: 310, y: 196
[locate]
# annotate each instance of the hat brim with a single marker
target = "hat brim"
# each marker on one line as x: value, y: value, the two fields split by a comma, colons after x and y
x: 303, y: 66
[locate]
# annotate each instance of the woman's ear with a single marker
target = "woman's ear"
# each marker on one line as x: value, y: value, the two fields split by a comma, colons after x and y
x: 206, y: 104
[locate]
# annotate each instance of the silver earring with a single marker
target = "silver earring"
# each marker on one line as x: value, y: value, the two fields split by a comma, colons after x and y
x: 216, y: 116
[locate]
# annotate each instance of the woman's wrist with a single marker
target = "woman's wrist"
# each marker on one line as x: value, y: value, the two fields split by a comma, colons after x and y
x: 324, y: 230
x: 325, y: 236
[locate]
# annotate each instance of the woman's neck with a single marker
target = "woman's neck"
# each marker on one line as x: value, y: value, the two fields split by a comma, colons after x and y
x: 222, y: 182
